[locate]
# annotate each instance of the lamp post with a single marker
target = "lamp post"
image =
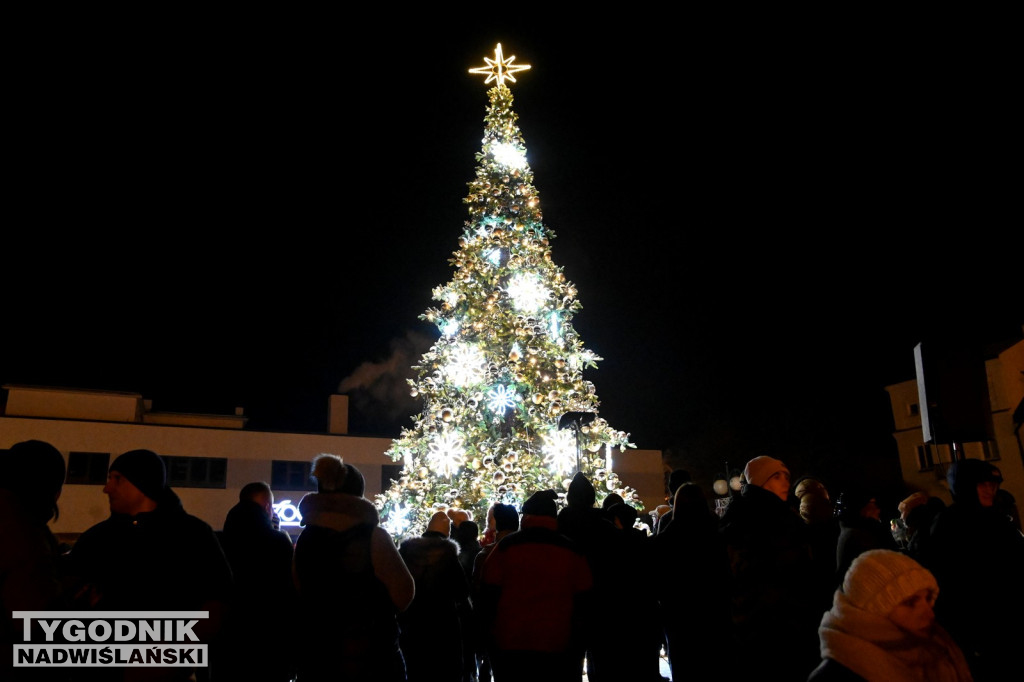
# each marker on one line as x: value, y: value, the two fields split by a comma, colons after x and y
x: 576, y: 421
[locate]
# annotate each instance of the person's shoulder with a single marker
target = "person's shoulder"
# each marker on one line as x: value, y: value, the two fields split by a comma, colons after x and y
x: 194, y: 523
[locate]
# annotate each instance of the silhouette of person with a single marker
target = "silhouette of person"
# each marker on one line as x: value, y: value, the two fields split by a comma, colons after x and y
x: 263, y: 597
x: 351, y: 580
x: 31, y: 481
x: 151, y: 555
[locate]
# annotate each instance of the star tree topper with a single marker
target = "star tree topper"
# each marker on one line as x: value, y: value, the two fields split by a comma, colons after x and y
x: 500, y: 69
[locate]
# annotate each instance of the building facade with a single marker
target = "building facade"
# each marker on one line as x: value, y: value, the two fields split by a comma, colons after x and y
x: 924, y: 464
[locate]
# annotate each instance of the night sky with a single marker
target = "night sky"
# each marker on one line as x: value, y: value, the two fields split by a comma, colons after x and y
x: 761, y: 224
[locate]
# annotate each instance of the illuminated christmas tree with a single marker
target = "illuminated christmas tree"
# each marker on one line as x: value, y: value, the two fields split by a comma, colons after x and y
x: 506, y: 410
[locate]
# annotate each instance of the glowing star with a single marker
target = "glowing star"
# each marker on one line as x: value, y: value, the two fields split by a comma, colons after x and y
x: 509, y: 155
x: 527, y: 293
x: 465, y: 365
x: 560, y: 451
x: 446, y: 454
x: 449, y: 327
x: 500, y: 69
x: 500, y: 398
x: 398, y: 520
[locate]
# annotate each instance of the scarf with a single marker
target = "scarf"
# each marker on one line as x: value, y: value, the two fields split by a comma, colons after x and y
x: 876, y: 649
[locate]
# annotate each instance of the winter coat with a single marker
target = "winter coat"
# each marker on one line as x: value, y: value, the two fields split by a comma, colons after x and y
x: 977, y: 557
x: 263, y: 600
x: 433, y: 625
x: 535, y: 581
x: 692, y: 587
x: 163, y: 560
x: 774, y: 604
x: 858, y: 645
x: 351, y: 583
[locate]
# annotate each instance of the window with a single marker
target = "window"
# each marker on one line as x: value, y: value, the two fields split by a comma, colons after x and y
x: 88, y: 468
x: 925, y: 461
x: 196, y: 472
x: 387, y: 473
x: 291, y: 475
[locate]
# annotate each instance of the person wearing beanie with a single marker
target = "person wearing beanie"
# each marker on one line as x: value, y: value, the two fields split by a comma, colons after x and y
x: 352, y: 583
x: 768, y: 473
x: 542, y: 503
x: 150, y: 554
x: 777, y: 591
x: 977, y: 557
x: 882, y: 628
x: 534, y: 590
x: 432, y: 626
x: 136, y: 482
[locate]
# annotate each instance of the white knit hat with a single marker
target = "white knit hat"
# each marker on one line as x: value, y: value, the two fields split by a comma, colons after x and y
x: 879, y: 579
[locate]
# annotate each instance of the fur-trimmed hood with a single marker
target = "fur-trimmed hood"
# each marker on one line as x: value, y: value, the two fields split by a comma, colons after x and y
x: 337, y: 511
x: 427, y: 554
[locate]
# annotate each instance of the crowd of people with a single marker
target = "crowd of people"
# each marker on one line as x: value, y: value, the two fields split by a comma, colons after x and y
x: 786, y: 584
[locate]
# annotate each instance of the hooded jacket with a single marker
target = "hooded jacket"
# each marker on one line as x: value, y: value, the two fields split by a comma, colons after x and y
x: 351, y: 583
x: 977, y: 557
x: 433, y: 624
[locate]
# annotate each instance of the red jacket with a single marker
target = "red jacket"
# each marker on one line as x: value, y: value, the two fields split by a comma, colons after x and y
x: 537, y: 580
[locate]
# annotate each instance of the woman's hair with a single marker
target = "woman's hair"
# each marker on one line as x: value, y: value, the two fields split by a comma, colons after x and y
x: 332, y: 475
x: 34, y: 471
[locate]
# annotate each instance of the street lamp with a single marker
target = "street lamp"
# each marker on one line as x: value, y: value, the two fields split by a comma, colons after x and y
x: 576, y: 421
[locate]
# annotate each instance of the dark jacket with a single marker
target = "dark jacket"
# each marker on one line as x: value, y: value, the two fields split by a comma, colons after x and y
x: 774, y: 603
x: 348, y: 620
x: 163, y: 560
x: 433, y: 625
x: 262, y: 600
x: 692, y: 587
x: 977, y: 557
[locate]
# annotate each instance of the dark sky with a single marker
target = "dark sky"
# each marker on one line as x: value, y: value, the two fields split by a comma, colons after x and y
x: 762, y: 221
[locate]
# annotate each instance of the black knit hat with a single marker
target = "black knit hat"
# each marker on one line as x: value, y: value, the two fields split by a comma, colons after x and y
x: 581, y: 492
x: 541, y: 503
x: 145, y: 470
